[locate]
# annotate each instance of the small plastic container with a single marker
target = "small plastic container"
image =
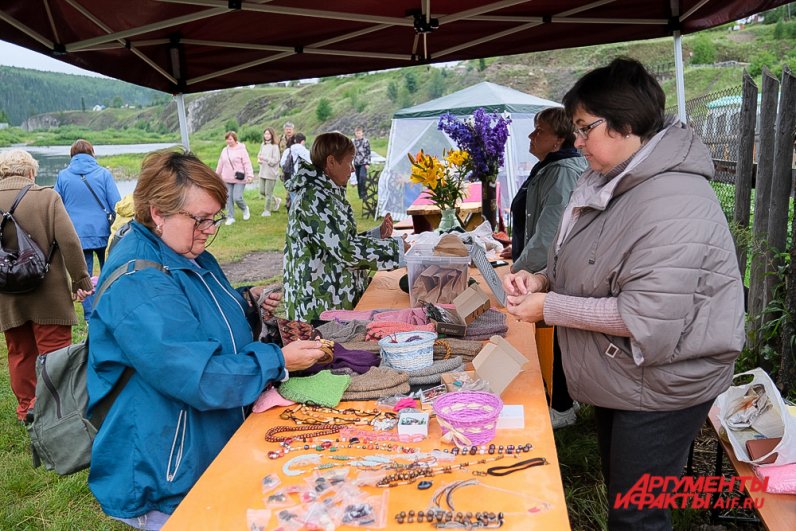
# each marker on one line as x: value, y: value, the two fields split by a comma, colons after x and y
x: 435, y: 279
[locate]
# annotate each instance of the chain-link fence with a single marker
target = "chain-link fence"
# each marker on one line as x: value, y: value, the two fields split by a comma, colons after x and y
x: 716, y: 119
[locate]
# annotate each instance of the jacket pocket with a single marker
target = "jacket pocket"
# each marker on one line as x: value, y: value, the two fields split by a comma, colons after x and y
x: 177, y: 446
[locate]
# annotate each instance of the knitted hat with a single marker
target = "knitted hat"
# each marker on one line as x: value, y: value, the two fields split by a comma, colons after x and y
x: 376, y: 383
x: 490, y: 323
x: 324, y: 388
x: 433, y: 374
x: 268, y: 399
x: 341, y: 332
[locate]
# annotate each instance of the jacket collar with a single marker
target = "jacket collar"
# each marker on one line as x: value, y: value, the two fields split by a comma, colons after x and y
x: 16, y: 182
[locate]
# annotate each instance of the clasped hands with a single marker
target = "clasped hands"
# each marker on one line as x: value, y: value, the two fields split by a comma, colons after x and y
x: 524, y: 296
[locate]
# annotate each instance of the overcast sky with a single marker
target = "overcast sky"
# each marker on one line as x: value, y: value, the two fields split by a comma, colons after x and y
x: 13, y: 55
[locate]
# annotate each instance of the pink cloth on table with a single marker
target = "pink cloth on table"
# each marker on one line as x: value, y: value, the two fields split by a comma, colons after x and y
x: 380, y: 329
x: 415, y: 316
x: 268, y: 399
x: 347, y: 315
x: 473, y: 195
x: 781, y: 478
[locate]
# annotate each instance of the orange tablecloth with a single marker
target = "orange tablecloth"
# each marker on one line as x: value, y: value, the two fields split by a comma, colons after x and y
x: 531, y: 499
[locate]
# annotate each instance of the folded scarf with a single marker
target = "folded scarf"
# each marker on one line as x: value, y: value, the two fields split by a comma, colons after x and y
x: 465, y: 348
x: 380, y: 329
x: 377, y: 383
x: 415, y: 316
x: 324, y: 389
x: 433, y: 374
x: 357, y: 361
x: 342, y: 332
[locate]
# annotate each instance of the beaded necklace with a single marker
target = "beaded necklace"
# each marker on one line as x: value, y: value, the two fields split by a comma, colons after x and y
x: 316, y: 430
x: 409, y: 476
x: 349, y: 416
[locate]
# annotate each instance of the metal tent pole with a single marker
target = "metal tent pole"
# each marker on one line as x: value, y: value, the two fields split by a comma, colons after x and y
x: 183, y: 120
x: 679, y: 78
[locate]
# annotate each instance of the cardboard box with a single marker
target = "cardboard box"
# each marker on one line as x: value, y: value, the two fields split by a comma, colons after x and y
x: 512, y: 417
x: 499, y: 363
x: 413, y: 423
x: 467, y: 306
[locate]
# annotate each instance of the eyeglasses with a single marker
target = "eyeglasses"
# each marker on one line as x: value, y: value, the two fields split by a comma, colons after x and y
x: 583, y: 132
x: 205, y: 223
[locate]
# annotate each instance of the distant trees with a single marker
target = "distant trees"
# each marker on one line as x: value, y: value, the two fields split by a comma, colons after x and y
x: 231, y: 125
x: 392, y: 91
x: 3, y: 116
x: 324, y: 110
x: 410, y: 82
x: 436, y: 83
x: 704, y: 52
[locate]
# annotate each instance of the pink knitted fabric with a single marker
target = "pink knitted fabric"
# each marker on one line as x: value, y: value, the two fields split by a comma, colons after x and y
x: 781, y: 478
x: 347, y: 315
x: 268, y: 399
x: 415, y: 316
x: 379, y: 329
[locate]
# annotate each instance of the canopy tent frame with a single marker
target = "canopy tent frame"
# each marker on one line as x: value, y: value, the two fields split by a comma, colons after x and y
x: 80, y: 32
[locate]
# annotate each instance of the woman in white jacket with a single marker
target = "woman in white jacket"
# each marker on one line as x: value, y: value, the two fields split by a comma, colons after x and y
x: 268, y: 157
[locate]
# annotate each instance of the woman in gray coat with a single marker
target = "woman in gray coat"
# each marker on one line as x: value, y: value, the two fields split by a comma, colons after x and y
x: 643, y: 284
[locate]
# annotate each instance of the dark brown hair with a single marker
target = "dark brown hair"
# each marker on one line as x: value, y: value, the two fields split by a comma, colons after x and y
x: 81, y: 146
x: 165, y: 179
x: 625, y: 94
x: 273, y: 135
x: 335, y: 143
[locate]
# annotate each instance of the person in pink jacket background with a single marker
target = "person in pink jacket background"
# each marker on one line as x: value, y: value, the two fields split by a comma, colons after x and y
x: 235, y: 169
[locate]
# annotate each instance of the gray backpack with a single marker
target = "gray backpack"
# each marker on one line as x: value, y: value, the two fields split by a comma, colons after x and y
x: 61, y: 435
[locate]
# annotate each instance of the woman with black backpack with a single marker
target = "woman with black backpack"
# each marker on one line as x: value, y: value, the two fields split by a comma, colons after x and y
x: 39, y: 321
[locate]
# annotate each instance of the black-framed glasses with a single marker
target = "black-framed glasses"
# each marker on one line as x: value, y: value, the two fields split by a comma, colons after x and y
x: 583, y: 132
x: 205, y: 223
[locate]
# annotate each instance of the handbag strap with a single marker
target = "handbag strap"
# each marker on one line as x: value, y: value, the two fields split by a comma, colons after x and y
x: 10, y: 216
x: 90, y: 189
x: 231, y: 164
x: 104, y: 405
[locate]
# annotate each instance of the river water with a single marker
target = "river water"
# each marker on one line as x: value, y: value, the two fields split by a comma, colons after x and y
x: 53, y: 159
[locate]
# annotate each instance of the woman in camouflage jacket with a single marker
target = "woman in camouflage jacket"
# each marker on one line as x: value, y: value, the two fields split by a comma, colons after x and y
x: 327, y: 263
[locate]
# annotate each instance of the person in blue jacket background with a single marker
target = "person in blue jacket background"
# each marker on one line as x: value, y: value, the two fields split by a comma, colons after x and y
x: 89, y: 218
x: 184, y: 333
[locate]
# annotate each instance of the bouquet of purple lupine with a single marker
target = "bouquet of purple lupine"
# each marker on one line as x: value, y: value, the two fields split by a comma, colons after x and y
x: 483, y: 137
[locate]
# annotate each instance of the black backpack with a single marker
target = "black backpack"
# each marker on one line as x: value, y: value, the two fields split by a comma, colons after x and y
x: 23, y: 269
x: 288, y: 167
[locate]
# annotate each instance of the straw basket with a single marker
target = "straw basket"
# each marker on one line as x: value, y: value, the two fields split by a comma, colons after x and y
x: 408, y: 351
x: 468, y: 418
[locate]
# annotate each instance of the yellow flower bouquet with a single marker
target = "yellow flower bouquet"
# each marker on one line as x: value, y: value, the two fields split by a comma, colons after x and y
x: 444, y: 180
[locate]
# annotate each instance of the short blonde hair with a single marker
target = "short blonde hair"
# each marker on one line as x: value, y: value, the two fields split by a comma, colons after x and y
x: 335, y: 143
x: 166, y: 176
x: 17, y: 163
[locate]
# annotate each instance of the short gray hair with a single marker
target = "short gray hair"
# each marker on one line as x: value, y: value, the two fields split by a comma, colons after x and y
x: 288, y: 124
x: 17, y: 163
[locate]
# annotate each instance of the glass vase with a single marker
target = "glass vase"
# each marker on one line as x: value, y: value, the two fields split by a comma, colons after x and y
x: 449, y: 220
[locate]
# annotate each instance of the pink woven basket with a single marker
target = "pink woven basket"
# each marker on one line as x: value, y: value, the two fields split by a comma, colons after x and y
x: 468, y: 416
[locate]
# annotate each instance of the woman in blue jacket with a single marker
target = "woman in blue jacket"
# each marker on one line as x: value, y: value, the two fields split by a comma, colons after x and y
x: 184, y: 333
x: 88, y: 208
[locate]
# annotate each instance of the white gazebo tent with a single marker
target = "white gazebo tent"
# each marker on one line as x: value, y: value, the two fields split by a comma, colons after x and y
x: 415, y: 128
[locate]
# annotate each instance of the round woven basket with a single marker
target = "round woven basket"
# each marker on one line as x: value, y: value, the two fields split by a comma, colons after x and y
x: 408, y: 351
x: 471, y: 414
